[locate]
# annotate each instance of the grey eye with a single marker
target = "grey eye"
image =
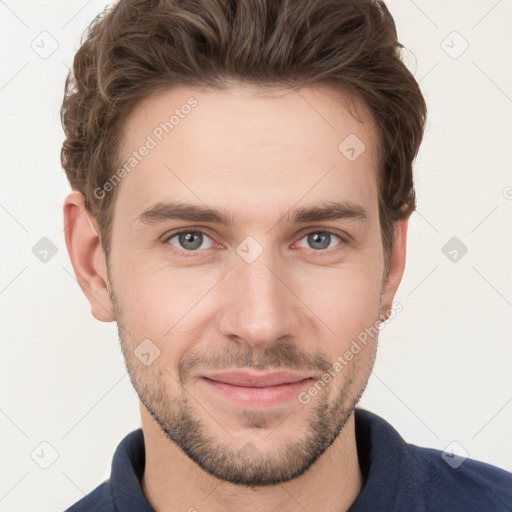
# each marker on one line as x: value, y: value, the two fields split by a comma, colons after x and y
x: 189, y: 240
x: 320, y: 240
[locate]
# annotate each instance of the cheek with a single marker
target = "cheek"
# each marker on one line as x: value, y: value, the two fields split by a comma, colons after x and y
x: 346, y: 300
x: 155, y: 294
x: 164, y: 305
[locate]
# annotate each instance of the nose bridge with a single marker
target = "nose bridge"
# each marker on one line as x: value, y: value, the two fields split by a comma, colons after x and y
x: 261, y: 295
x: 260, y: 308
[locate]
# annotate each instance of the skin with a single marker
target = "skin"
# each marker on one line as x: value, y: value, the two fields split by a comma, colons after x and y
x: 258, y: 154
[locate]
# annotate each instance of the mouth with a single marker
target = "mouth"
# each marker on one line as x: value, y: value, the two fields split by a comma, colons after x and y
x: 256, y: 390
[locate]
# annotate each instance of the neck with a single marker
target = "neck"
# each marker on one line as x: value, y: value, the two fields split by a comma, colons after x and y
x: 172, y: 481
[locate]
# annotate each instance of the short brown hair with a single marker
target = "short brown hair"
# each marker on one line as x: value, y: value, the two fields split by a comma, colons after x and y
x: 138, y: 47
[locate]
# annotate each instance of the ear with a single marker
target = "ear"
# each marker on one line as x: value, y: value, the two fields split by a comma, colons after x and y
x: 396, y: 267
x: 87, y: 257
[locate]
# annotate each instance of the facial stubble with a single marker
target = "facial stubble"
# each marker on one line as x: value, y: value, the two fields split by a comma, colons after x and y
x: 178, y: 418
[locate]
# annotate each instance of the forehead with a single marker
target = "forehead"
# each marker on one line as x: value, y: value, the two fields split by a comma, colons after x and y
x: 249, y: 146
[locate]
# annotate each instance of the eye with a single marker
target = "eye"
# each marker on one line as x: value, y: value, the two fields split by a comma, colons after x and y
x: 320, y: 240
x: 189, y: 241
x: 194, y: 242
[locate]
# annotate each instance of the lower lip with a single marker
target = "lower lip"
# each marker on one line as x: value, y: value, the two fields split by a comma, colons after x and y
x: 270, y: 396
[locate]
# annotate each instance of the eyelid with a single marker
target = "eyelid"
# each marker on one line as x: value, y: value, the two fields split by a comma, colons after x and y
x: 199, y: 229
x: 322, y: 229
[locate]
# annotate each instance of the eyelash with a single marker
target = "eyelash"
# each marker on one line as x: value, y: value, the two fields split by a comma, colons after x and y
x: 198, y: 252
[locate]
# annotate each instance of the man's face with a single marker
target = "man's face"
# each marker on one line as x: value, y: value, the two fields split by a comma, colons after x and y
x: 260, y: 295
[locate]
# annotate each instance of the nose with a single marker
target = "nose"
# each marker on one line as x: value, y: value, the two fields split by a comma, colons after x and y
x: 260, y: 306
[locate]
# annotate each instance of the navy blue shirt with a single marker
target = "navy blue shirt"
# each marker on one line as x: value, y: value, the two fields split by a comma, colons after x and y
x: 398, y: 477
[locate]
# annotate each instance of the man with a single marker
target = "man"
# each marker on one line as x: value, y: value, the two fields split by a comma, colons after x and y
x: 242, y: 183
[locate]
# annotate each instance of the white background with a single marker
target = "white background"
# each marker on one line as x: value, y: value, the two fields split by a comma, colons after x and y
x: 444, y: 363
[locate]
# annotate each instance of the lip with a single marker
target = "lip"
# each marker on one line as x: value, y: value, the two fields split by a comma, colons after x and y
x: 257, y: 380
x: 256, y: 390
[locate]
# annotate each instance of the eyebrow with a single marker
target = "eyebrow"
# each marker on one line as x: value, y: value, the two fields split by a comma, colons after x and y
x: 332, y: 210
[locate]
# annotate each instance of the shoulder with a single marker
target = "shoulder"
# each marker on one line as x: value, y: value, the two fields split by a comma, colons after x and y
x: 404, y: 477
x: 98, y: 499
x: 459, y: 483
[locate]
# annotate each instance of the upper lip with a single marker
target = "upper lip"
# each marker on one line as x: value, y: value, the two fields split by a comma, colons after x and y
x: 257, y: 380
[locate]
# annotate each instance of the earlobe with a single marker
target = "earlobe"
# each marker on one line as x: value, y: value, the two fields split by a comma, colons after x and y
x: 396, y: 267
x: 87, y: 257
